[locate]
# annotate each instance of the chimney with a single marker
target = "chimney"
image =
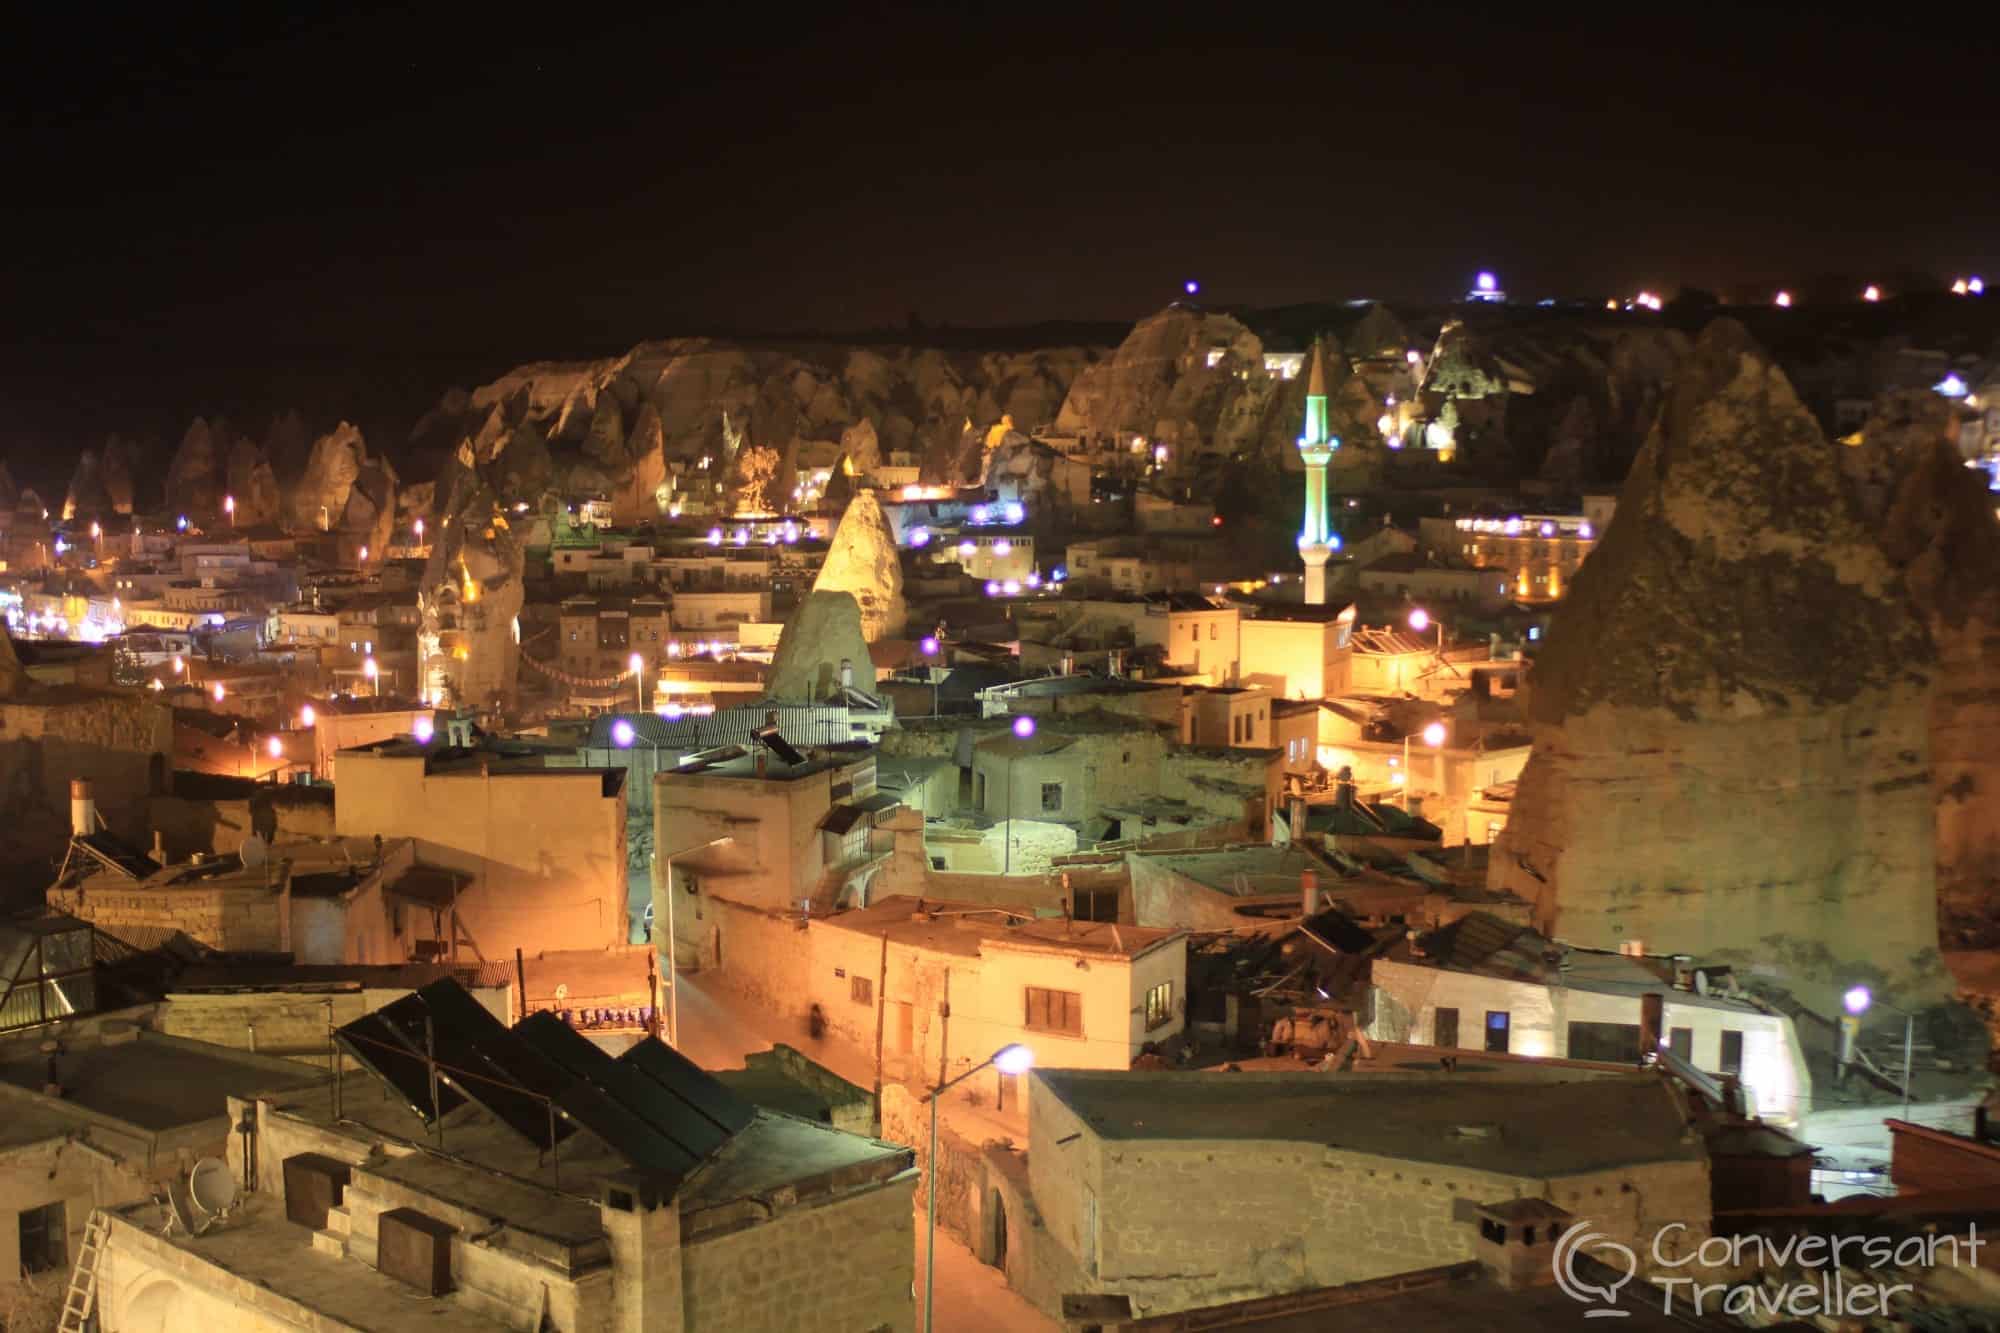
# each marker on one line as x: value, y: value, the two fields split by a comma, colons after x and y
x: 846, y: 674
x: 159, y: 847
x: 1632, y: 948
x: 1308, y: 891
x: 1516, y: 1241
x: 1069, y: 664
x: 1116, y: 662
x: 82, y: 810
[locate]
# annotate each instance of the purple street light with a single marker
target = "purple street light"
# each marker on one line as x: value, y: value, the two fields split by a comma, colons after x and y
x: 1024, y: 727
x: 622, y: 734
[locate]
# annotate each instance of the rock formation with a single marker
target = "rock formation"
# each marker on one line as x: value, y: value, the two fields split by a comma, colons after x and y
x: 1732, y: 711
x: 626, y: 425
x: 863, y: 560
x: 1935, y: 522
x: 469, y: 606
x: 87, y: 494
x: 253, y: 483
x: 345, y: 490
x: 824, y: 632
x: 195, y: 480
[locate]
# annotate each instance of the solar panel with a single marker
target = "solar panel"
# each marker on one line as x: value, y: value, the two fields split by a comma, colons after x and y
x: 668, y: 1068
x: 379, y: 1047
x: 486, y: 1064
x: 675, y: 1117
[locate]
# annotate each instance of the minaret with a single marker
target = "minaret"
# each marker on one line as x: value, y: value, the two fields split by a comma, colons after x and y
x: 1316, y: 539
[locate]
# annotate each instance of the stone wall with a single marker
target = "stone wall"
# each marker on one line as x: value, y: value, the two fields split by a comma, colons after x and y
x: 121, y: 742
x: 218, y: 827
x: 846, y: 1266
x: 251, y: 917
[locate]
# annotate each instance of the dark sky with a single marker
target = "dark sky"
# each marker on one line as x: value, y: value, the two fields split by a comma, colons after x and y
x: 216, y: 208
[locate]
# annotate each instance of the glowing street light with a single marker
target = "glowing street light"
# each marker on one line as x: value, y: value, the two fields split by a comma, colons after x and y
x: 179, y: 666
x: 1976, y: 285
x: 1857, y: 1001
x: 1024, y: 727
x: 1871, y: 293
x: 275, y: 748
x: 1959, y: 288
x: 1191, y: 286
x: 424, y: 730
x: 420, y: 532
x: 1013, y: 1060
x: 307, y: 716
x: 374, y: 674
x: 1434, y: 735
x: 229, y: 508
x: 1783, y: 300
x: 1420, y: 619
x: 217, y: 691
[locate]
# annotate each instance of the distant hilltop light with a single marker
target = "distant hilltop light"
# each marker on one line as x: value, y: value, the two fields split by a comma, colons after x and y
x: 1872, y: 293
x: 1977, y: 286
x: 1486, y: 287
x: 1486, y: 282
x: 1192, y: 286
x: 1783, y: 299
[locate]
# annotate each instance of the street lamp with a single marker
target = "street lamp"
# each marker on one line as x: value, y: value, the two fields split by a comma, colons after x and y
x: 229, y: 508
x: 673, y: 973
x: 1433, y: 736
x: 1857, y: 1001
x: 928, y: 646
x: 1023, y: 727
x: 638, y: 666
x: 307, y: 716
x: 374, y: 674
x: 1012, y: 1059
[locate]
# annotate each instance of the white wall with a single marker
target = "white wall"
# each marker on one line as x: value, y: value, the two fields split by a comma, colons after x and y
x: 1408, y: 997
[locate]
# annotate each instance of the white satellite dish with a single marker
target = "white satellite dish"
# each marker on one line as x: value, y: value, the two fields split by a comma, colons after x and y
x: 255, y: 851
x: 1701, y: 983
x: 212, y: 1189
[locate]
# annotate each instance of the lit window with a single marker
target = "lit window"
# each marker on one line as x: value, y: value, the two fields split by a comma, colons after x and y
x: 1159, y: 1005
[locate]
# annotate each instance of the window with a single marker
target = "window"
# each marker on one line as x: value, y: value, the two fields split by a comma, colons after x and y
x: 1732, y: 1055
x: 937, y: 863
x: 1499, y: 1025
x: 44, y: 1242
x: 1054, y: 1011
x: 1094, y: 904
x: 1681, y: 1042
x: 1444, y: 1029
x: 1611, y: 1043
x: 1052, y: 798
x: 1211, y: 633
x: 861, y: 990
x: 1159, y: 1005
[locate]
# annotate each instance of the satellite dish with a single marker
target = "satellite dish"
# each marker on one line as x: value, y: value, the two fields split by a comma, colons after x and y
x: 255, y: 851
x: 1701, y: 983
x: 184, y: 1214
x: 212, y: 1188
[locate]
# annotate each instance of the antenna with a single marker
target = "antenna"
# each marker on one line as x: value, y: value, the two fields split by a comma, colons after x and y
x: 212, y: 1190
x: 254, y: 852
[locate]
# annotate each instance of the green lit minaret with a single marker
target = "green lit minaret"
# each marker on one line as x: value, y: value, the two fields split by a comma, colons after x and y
x: 1316, y: 446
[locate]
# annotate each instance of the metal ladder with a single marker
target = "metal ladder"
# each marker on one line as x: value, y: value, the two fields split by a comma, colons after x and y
x: 81, y: 1299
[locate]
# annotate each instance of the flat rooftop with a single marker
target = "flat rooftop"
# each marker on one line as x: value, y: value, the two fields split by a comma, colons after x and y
x: 969, y: 928
x: 1511, y: 1127
x: 152, y: 1082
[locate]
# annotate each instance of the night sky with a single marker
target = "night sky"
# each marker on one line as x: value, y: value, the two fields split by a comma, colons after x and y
x: 227, y: 210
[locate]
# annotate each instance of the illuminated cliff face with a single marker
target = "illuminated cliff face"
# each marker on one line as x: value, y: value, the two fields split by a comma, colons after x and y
x: 470, y: 602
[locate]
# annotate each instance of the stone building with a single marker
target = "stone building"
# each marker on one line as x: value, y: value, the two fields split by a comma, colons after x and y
x: 1484, y: 984
x: 1179, y: 1190
x: 655, y: 1201
x: 531, y: 856
x: 946, y: 984
x: 114, y: 1115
